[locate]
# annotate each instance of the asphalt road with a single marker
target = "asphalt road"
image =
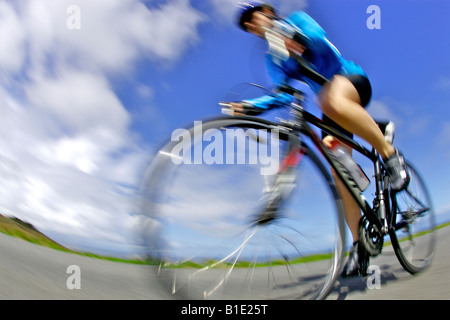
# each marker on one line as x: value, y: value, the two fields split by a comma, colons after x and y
x: 29, y: 271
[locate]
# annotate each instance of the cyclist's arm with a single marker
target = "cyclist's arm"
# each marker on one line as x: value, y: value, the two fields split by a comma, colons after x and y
x: 296, y: 41
x: 269, y: 101
x: 260, y: 104
x: 306, y: 31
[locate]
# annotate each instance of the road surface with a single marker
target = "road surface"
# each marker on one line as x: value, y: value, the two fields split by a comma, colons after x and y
x: 29, y: 271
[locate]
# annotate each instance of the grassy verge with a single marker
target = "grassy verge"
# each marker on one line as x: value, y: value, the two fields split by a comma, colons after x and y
x: 245, y: 264
x: 20, y: 229
x: 23, y: 230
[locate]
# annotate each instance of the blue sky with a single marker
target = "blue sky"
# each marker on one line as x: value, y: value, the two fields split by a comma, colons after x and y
x: 83, y: 109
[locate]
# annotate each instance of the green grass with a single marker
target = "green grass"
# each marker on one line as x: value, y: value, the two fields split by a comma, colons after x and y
x: 20, y: 229
x: 443, y: 225
x: 23, y: 230
x: 418, y: 234
x: 246, y: 264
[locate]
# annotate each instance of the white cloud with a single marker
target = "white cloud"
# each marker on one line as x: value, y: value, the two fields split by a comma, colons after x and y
x: 226, y: 10
x: 285, y: 7
x: 442, y: 138
x: 170, y: 30
x: 80, y: 101
x: 11, y: 39
x: 443, y: 83
x: 112, y: 33
x: 382, y: 110
x: 69, y: 160
x: 68, y: 156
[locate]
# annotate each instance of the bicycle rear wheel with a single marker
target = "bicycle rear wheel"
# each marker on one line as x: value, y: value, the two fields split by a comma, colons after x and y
x: 200, y: 220
x: 413, y: 236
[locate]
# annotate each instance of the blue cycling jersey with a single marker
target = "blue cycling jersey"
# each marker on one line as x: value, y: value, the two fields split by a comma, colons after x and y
x: 321, y: 54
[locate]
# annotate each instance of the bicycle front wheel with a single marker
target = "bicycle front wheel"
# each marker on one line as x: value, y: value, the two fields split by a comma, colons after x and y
x: 412, y: 235
x: 200, y: 217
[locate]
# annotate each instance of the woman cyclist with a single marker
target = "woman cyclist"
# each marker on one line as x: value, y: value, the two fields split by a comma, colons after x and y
x: 342, y: 99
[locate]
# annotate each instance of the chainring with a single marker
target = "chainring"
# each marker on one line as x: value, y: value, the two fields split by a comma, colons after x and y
x: 371, y: 237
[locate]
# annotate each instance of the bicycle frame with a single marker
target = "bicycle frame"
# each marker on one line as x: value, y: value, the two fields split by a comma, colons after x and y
x: 278, y: 48
x: 302, y: 126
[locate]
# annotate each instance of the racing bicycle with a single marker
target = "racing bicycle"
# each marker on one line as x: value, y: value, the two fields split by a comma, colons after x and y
x: 241, y: 207
x: 224, y: 229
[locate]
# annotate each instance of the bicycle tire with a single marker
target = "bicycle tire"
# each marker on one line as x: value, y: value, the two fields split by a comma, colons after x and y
x: 413, y: 229
x: 244, y: 267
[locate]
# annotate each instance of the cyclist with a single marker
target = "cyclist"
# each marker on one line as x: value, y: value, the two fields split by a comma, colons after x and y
x: 342, y: 99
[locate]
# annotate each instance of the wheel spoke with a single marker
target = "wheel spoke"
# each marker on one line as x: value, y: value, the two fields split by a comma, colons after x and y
x: 208, y: 233
x: 413, y: 236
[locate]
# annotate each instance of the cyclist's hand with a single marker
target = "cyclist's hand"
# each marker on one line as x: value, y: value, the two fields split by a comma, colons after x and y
x: 232, y: 108
x: 240, y: 108
x: 237, y: 107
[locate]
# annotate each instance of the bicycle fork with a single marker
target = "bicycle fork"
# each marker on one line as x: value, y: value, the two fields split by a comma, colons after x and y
x: 278, y: 191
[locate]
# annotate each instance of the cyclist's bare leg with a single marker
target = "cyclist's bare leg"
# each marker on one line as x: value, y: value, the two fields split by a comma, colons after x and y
x: 340, y: 102
x: 351, y: 208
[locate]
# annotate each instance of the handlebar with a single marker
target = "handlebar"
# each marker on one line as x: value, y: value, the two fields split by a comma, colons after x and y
x: 247, y: 109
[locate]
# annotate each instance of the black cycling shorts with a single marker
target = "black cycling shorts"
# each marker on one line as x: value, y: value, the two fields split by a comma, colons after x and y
x: 364, y: 88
